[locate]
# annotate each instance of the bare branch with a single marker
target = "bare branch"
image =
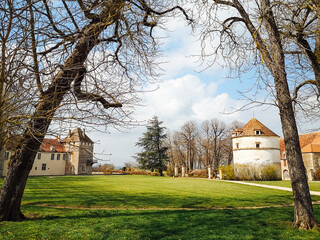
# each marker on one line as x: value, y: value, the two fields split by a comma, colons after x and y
x: 295, y: 93
x: 91, y: 96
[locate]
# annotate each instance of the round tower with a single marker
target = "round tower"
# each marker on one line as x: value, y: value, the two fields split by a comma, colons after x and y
x: 254, y: 147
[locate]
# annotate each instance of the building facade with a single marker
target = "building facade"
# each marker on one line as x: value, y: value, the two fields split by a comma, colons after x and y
x: 310, y: 148
x: 80, y: 149
x: 255, y: 146
x: 71, y: 156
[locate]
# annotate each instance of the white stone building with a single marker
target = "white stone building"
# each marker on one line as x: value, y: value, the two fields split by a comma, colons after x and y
x: 256, y: 146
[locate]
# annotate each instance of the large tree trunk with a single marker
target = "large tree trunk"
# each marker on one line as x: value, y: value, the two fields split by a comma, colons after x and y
x: 14, y: 184
x: 13, y: 187
x: 303, y: 211
x: 272, y: 54
x: 21, y: 163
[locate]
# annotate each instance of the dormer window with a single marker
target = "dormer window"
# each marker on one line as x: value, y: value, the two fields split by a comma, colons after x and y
x: 257, y: 132
x: 53, y: 149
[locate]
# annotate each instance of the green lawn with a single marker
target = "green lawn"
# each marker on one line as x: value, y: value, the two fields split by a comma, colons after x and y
x: 145, y: 207
x: 147, y: 192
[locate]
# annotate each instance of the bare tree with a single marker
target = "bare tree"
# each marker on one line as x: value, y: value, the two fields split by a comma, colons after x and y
x: 189, y: 132
x: 212, y: 141
x: 91, y: 54
x: 228, y: 151
x: 251, y: 29
x: 15, y: 97
x: 218, y: 133
x: 205, y: 143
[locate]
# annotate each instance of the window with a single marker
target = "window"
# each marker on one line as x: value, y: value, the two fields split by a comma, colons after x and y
x: 35, y: 168
x: 284, y: 155
x: 257, y: 132
x: 44, y: 166
x: 53, y: 149
x: 284, y: 163
x: 39, y: 156
x: 6, y: 156
x: 58, y: 156
x: 64, y: 156
x: 237, y: 145
x: 52, y: 156
x: 257, y: 145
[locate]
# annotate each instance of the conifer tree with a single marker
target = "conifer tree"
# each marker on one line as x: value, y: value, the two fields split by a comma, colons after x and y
x: 153, y: 155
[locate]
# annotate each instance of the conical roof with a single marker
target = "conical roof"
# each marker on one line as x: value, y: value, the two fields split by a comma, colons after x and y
x: 77, y: 135
x: 254, y: 127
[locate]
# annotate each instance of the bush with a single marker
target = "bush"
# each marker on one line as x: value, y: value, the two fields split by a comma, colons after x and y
x: 249, y: 172
x: 169, y: 172
x: 317, y: 174
x: 245, y: 172
x: 270, y: 173
x: 227, y: 172
x: 199, y: 173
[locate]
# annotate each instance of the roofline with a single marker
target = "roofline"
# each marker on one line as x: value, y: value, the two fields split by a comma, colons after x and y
x: 255, y: 136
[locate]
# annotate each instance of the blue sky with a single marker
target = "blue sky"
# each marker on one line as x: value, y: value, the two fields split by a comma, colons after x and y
x: 185, y: 93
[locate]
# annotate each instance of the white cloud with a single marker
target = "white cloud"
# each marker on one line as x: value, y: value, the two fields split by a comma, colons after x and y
x: 186, y: 98
x: 215, y: 107
x: 182, y: 49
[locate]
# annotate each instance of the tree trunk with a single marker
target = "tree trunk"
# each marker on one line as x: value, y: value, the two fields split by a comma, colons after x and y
x: 273, y: 56
x: 13, y: 187
x: 15, y: 182
x: 303, y: 211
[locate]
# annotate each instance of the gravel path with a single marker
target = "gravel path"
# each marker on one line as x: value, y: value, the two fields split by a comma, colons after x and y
x: 270, y: 186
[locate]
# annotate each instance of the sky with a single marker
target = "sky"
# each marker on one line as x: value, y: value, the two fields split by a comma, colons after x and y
x: 185, y: 92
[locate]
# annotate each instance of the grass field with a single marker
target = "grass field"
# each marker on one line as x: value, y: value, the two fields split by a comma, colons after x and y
x: 145, y: 207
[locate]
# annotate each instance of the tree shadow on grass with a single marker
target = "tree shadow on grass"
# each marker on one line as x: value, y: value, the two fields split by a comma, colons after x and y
x: 270, y: 223
x: 122, y: 200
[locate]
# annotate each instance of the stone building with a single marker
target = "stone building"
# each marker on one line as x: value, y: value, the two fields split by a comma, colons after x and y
x: 255, y: 146
x: 73, y: 155
x: 80, y: 149
x: 310, y: 148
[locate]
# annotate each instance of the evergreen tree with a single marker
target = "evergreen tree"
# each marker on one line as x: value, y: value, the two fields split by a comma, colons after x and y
x: 154, y: 154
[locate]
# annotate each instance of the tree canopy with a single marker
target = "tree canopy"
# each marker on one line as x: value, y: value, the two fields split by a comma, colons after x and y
x: 71, y: 60
x: 154, y: 151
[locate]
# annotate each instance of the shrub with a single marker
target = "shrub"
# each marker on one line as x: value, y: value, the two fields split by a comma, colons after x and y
x: 227, y: 172
x: 270, y: 173
x: 169, y: 172
x: 248, y: 172
x: 199, y: 173
x: 317, y: 174
x: 245, y: 172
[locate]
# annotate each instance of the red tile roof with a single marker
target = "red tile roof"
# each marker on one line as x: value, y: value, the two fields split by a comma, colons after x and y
x: 251, y: 126
x: 309, y: 143
x: 48, y: 144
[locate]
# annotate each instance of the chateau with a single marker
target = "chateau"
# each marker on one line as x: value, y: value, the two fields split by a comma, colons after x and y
x: 255, y: 146
x: 310, y: 148
x: 71, y: 156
